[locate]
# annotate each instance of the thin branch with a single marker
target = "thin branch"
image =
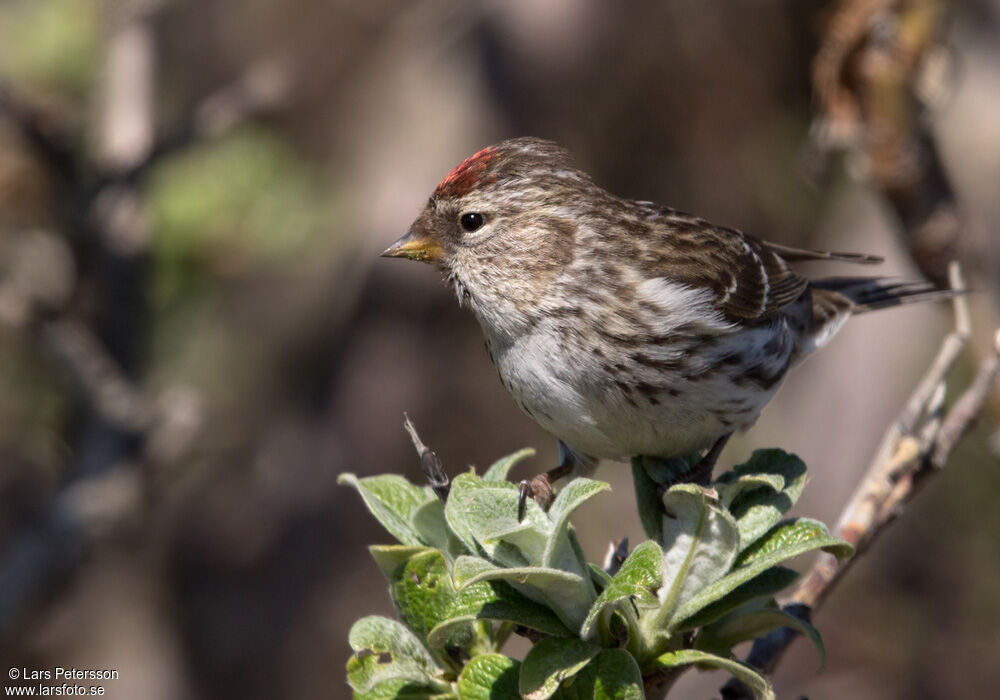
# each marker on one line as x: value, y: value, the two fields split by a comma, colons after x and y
x: 40, y: 132
x: 429, y: 462
x: 259, y: 91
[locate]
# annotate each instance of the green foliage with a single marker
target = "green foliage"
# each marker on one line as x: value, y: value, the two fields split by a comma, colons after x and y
x: 468, y: 573
x: 50, y: 44
x: 243, y: 200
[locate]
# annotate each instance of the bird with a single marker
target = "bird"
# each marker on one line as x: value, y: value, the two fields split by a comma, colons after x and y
x: 625, y: 328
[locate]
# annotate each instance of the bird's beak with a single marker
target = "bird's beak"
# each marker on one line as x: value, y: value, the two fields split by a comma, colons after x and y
x: 415, y: 248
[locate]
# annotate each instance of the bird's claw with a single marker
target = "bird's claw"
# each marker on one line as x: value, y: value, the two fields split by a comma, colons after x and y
x: 539, y: 488
x: 523, y: 491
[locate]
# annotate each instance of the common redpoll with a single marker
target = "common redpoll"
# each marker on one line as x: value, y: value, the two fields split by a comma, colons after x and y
x: 623, y: 327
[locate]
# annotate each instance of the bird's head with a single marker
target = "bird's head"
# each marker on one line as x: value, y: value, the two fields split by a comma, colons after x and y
x: 502, y: 221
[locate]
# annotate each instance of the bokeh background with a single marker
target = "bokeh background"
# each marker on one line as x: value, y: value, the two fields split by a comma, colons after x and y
x: 197, y: 335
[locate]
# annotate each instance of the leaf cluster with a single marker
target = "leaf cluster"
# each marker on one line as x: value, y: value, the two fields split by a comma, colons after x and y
x: 467, y: 573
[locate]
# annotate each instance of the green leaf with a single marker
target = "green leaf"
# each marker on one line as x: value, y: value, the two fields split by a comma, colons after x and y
x: 392, y: 500
x: 753, y: 680
x: 402, y: 689
x: 668, y: 470
x: 559, y: 552
x: 700, y: 542
x: 380, y: 634
x: 423, y: 593
x: 489, y: 677
x: 611, y: 675
x: 791, y: 538
x: 647, y: 496
x: 385, y: 651
x: 561, y: 591
x: 498, y: 470
x: 752, y: 622
x: 429, y: 522
x: 730, y: 489
x: 495, y: 600
x: 389, y: 557
x: 539, y: 551
x: 481, y: 513
x: 760, y: 491
x: 469, y: 570
x: 784, y: 541
x: 550, y: 662
x: 639, y: 577
x: 599, y: 576
x: 764, y: 585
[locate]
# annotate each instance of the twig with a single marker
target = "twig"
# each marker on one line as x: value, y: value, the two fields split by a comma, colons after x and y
x: 50, y: 143
x: 429, y: 462
x: 109, y: 393
x: 259, y: 91
x: 916, y: 446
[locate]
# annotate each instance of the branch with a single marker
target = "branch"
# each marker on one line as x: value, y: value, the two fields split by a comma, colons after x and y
x: 866, y: 78
x: 916, y: 446
x: 38, y: 129
x: 259, y: 91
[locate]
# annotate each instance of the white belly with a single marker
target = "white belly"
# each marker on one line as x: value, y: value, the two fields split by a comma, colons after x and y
x: 569, y: 391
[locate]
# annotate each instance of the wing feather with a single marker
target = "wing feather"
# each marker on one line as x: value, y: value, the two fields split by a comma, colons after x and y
x: 751, y: 279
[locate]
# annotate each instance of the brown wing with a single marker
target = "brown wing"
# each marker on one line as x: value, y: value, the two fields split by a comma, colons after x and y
x: 751, y: 279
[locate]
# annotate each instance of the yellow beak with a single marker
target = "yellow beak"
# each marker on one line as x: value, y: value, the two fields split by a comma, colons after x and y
x: 414, y: 248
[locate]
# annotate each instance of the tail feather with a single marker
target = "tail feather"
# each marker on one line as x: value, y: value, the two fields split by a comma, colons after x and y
x: 874, y: 293
x: 835, y: 299
x: 800, y: 254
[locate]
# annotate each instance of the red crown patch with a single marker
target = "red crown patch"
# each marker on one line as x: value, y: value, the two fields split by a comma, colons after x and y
x: 468, y: 175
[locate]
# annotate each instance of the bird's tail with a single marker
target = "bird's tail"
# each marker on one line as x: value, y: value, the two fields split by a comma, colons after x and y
x: 874, y: 293
x: 835, y: 299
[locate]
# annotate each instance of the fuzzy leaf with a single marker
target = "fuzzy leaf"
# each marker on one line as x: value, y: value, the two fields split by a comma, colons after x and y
x: 423, y: 593
x: 700, y: 542
x: 760, y: 491
x: 380, y: 634
x: 489, y: 677
x: 752, y: 622
x: 730, y: 490
x: 541, y: 547
x: 764, y: 585
x: 550, y: 662
x: 389, y: 557
x: 402, y: 689
x: 392, y: 500
x: 498, y: 470
x: 640, y: 576
x: 647, y: 498
x: 429, y: 522
x: 562, y: 592
x: 784, y: 541
x: 791, y: 538
x: 557, y: 548
x: 753, y: 680
x: 495, y: 600
x: 385, y: 651
x: 482, y: 512
x: 611, y: 675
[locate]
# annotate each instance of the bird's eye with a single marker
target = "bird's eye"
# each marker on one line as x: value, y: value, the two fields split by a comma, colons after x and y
x: 471, y: 221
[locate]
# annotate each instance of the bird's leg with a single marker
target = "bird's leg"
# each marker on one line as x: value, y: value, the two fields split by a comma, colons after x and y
x: 540, y: 487
x: 702, y: 472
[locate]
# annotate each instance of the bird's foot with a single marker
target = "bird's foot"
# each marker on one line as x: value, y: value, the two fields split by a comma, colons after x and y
x: 539, y: 488
x: 702, y: 472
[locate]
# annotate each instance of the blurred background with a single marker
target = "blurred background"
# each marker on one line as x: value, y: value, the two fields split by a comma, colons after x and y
x: 197, y: 336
